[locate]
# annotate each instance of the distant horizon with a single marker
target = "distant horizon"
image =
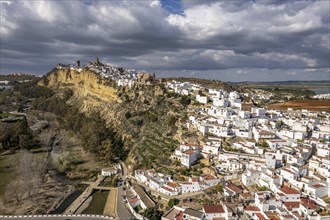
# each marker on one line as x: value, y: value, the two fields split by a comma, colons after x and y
x: 195, y: 77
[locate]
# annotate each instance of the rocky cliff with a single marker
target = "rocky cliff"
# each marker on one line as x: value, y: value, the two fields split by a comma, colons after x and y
x: 83, y: 84
x: 144, y: 116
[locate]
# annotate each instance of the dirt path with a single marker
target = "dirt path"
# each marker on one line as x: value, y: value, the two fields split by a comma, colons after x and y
x: 110, y: 208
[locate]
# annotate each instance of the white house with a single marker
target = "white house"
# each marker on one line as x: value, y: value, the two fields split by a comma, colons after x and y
x: 244, y: 133
x: 231, y: 165
x: 317, y: 190
x: 189, y: 157
x: 277, y: 143
x: 220, y: 102
x: 191, y: 186
x: 262, y: 134
x: 287, y: 194
x: 323, y: 150
x: 155, y: 183
x: 232, y: 190
x: 211, y: 149
x: 216, y: 211
x: 201, y: 99
x: 266, y: 201
x: 251, y: 177
x: 289, y: 174
x: 308, y: 208
x: 273, y: 160
x: 111, y: 170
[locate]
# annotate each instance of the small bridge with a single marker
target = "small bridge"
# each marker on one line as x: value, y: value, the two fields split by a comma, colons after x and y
x: 104, y: 188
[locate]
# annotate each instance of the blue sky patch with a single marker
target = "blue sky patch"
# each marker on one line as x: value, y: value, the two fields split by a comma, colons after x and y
x: 173, y: 6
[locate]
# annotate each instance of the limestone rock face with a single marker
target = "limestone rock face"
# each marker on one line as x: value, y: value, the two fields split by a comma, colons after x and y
x: 159, y: 91
x: 83, y: 84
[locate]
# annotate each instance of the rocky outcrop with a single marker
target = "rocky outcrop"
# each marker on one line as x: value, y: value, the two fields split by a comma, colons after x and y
x: 141, y: 115
x: 83, y: 84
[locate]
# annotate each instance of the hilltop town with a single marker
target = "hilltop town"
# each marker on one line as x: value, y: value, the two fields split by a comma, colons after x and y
x: 120, y: 75
x: 263, y: 164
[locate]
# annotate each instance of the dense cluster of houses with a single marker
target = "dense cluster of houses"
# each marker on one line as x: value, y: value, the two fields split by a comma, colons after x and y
x: 122, y: 76
x: 166, y: 185
x: 322, y: 96
x: 286, y: 153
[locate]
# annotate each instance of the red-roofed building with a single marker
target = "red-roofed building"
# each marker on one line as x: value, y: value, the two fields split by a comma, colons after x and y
x: 210, y: 180
x: 289, y: 194
x: 179, y: 216
x: 291, y: 206
x: 232, y: 190
x: 175, y: 213
x: 252, y: 209
x: 135, y: 201
x: 307, y: 207
x: 273, y: 215
x: 260, y: 216
x: 214, y: 211
x: 168, y: 191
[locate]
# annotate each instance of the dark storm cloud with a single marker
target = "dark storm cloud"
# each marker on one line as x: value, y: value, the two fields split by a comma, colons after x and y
x: 210, y: 38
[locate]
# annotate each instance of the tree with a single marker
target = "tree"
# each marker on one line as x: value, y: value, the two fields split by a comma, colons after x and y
x: 264, y: 144
x: 152, y: 214
x: 220, y: 188
x: 185, y: 100
x: 171, y: 120
x: 29, y: 171
x: 14, y: 190
x: 172, y: 202
x: 128, y: 115
x: 114, y: 182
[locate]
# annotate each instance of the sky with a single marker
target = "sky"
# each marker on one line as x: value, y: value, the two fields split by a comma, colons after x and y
x: 268, y: 40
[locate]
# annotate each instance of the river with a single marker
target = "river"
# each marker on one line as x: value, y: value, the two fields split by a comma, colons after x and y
x: 67, y: 202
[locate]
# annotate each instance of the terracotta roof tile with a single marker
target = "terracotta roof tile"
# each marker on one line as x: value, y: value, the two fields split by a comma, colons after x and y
x: 287, y: 190
x: 213, y: 209
x: 252, y: 208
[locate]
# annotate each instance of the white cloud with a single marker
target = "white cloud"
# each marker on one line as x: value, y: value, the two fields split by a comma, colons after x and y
x: 211, y: 35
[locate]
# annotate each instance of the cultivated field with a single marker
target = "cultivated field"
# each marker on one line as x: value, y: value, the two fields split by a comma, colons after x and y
x: 313, y: 105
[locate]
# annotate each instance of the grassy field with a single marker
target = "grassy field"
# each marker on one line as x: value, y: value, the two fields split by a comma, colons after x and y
x: 295, y: 87
x: 6, y: 171
x: 97, y: 204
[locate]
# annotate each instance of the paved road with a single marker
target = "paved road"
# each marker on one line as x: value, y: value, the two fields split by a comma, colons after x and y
x: 124, y: 168
x: 122, y: 211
